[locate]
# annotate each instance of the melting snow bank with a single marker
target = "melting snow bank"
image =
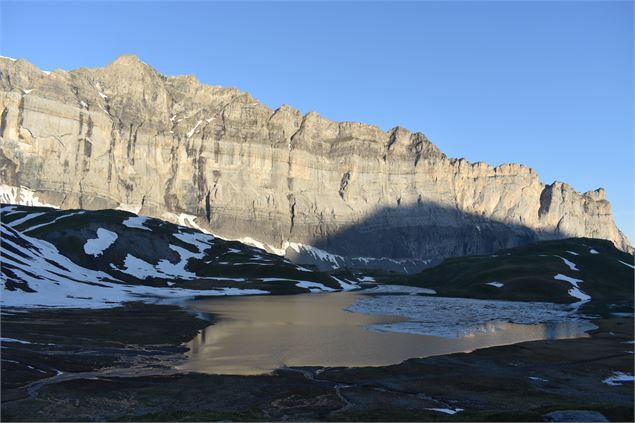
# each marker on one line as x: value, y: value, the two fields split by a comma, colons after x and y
x: 446, y: 410
x: 56, y: 281
x: 571, y: 265
x: 617, y: 378
x: 626, y: 264
x: 575, y: 291
x: 136, y: 222
x: 97, y: 246
x: 460, y: 317
x: 21, y: 195
x: 18, y: 341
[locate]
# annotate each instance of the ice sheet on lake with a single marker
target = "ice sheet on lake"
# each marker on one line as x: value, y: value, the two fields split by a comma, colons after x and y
x: 459, y: 317
x: 399, y: 289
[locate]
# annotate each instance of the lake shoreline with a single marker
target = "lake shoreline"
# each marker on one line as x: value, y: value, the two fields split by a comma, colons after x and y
x: 512, y: 382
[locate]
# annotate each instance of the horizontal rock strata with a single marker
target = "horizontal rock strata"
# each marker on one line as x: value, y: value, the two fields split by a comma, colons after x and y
x: 126, y: 137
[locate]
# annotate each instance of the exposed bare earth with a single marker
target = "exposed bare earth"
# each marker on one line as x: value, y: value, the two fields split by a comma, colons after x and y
x: 117, y: 364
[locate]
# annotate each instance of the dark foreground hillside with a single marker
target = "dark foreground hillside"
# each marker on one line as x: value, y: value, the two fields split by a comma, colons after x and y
x: 87, y: 334
x: 563, y: 271
x: 80, y: 258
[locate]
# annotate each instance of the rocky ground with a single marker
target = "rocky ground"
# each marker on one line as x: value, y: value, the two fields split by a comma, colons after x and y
x: 118, y: 364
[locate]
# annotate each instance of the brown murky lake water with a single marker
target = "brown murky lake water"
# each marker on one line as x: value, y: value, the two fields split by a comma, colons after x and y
x: 258, y: 334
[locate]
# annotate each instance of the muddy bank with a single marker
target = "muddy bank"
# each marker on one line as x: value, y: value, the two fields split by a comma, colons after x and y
x: 118, y: 364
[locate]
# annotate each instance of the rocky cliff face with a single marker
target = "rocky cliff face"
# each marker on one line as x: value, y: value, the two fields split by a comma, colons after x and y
x: 126, y: 137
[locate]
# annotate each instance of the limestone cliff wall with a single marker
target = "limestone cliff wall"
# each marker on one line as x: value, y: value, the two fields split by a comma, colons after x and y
x: 125, y: 136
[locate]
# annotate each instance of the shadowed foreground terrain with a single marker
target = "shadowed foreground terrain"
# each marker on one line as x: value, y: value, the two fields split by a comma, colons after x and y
x: 107, y: 357
x: 118, y: 364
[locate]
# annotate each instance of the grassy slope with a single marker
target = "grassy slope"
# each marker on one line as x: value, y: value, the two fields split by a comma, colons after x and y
x: 225, y: 259
x: 528, y: 273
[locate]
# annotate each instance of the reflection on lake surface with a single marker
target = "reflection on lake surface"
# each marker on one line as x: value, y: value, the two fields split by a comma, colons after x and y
x: 258, y: 334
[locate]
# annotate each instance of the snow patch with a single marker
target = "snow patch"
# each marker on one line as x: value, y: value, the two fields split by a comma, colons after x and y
x: 446, y: 410
x: 136, y: 222
x: 571, y: 265
x: 573, y: 252
x: 627, y: 264
x: 131, y: 208
x: 593, y: 251
x: 62, y: 283
x: 28, y: 217
x: 316, y: 253
x: 313, y: 285
x: 617, y: 378
x: 201, y: 241
x: 575, y: 291
x: 32, y: 228
x: 495, y: 284
x: 96, y: 246
x: 300, y: 268
x: 191, y: 132
x: 252, y: 242
x: 21, y: 195
x: 18, y: 341
x: 366, y: 279
x: 346, y: 285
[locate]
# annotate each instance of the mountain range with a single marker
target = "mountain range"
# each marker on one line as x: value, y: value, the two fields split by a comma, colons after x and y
x: 334, y: 194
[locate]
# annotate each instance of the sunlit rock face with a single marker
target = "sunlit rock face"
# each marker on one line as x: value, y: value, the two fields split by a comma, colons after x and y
x: 126, y: 137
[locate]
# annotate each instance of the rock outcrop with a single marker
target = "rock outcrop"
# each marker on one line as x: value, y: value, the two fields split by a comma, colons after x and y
x: 126, y: 137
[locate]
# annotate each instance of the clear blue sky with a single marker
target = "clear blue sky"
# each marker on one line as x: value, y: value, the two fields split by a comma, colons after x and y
x: 547, y: 84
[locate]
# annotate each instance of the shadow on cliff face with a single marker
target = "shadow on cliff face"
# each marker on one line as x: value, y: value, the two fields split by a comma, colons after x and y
x: 425, y: 231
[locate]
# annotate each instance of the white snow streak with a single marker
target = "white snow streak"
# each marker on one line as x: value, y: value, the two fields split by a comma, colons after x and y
x: 136, y: 222
x: 189, y: 134
x: 446, y: 410
x: 617, y: 378
x: 571, y: 265
x: 575, y: 291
